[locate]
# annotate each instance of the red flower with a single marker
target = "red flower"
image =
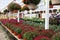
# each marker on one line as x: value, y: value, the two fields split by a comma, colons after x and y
x: 41, y: 38
x: 48, y: 33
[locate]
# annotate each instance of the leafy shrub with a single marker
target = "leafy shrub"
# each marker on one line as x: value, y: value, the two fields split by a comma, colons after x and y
x: 53, y: 27
x: 14, y: 6
x: 8, y: 25
x: 57, y: 30
x: 56, y: 36
x: 53, y: 21
x: 29, y: 35
x: 48, y: 33
x: 27, y: 29
x: 18, y: 30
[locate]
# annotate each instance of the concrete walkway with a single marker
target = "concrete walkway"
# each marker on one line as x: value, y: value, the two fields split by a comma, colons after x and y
x: 3, y: 35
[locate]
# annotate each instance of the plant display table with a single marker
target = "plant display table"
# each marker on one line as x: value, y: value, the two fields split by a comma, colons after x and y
x: 29, y: 30
x: 11, y: 32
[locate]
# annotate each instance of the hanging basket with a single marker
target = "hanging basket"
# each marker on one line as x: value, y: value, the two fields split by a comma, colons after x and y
x: 55, y: 2
x: 32, y: 6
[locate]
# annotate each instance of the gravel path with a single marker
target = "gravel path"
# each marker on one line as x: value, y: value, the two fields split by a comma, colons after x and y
x: 3, y: 35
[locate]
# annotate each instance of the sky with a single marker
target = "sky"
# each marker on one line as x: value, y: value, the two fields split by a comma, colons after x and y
x: 4, y: 3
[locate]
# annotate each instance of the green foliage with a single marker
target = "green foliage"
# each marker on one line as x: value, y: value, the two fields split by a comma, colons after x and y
x: 5, y: 11
x: 59, y: 10
x: 8, y: 25
x: 37, y: 20
x: 18, y: 30
x: 56, y: 36
x: 53, y: 27
x: 53, y: 21
x: 50, y: 2
x: 57, y: 30
x: 31, y: 1
x: 29, y: 35
x: 14, y: 6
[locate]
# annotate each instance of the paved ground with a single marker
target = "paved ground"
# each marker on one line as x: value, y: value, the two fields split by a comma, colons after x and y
x: 3, y: 35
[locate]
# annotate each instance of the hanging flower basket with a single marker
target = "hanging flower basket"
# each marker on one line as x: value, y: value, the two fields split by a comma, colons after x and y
x: 55, y: 2
x: 32, y: 4
x: 31, y: 1
x: 14, y: 7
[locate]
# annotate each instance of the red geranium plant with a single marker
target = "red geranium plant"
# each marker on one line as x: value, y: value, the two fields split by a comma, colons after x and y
x: 42, y: 38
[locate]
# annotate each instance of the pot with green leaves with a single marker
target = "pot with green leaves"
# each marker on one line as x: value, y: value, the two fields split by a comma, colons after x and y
x: 32, y: 4
x: 8, y: 25
x: 14, y: 7
x: 29, y: 35
x: 14, y: 28
x: 18, y: 31
x: 56, y: 36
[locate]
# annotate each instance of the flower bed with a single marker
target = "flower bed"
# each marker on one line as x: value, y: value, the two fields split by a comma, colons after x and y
x: 28, y: 30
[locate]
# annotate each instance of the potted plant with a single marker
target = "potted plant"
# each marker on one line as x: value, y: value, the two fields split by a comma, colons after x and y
x: 14, y: 7
x: 27, y: 29
x: 6, y: 11
x: 31, y: 3
x: 48, y: 33
x: 50, y: 6
x: 18, y: 31
x: 13, y: 28
x: 41, y: 38
x: 29, y: 35
x: 9, y: 26
x: 56, y: 36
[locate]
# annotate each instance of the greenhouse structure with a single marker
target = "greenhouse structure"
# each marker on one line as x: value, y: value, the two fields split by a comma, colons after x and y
x: 29, y: 19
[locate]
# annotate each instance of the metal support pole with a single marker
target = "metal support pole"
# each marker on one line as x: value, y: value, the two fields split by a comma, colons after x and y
x: 22, y: 14
x: 18, y: 16
x: 9, y: 15
x: 47, y: 15
x: 30, y: 13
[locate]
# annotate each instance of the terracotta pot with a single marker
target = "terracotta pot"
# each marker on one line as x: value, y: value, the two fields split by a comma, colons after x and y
x: 55, y: 1
x: 24, y: 39
x: 15, y: 33
x: 12, y: 30
x: 9, y: 28
x: 51, y: 6
x: 19, y: 36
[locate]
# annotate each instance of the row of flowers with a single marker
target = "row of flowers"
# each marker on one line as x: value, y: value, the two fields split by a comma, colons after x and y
x: 25, y: 31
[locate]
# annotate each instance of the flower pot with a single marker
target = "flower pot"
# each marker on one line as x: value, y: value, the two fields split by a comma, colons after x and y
x: 24, y: 39
x: 19, y: 36
x: 51, y: 6
x: 12, y: 31
x: 32, y: 6
x: 15, y: 33
x: 9, y: 28
x: 56, y: 2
